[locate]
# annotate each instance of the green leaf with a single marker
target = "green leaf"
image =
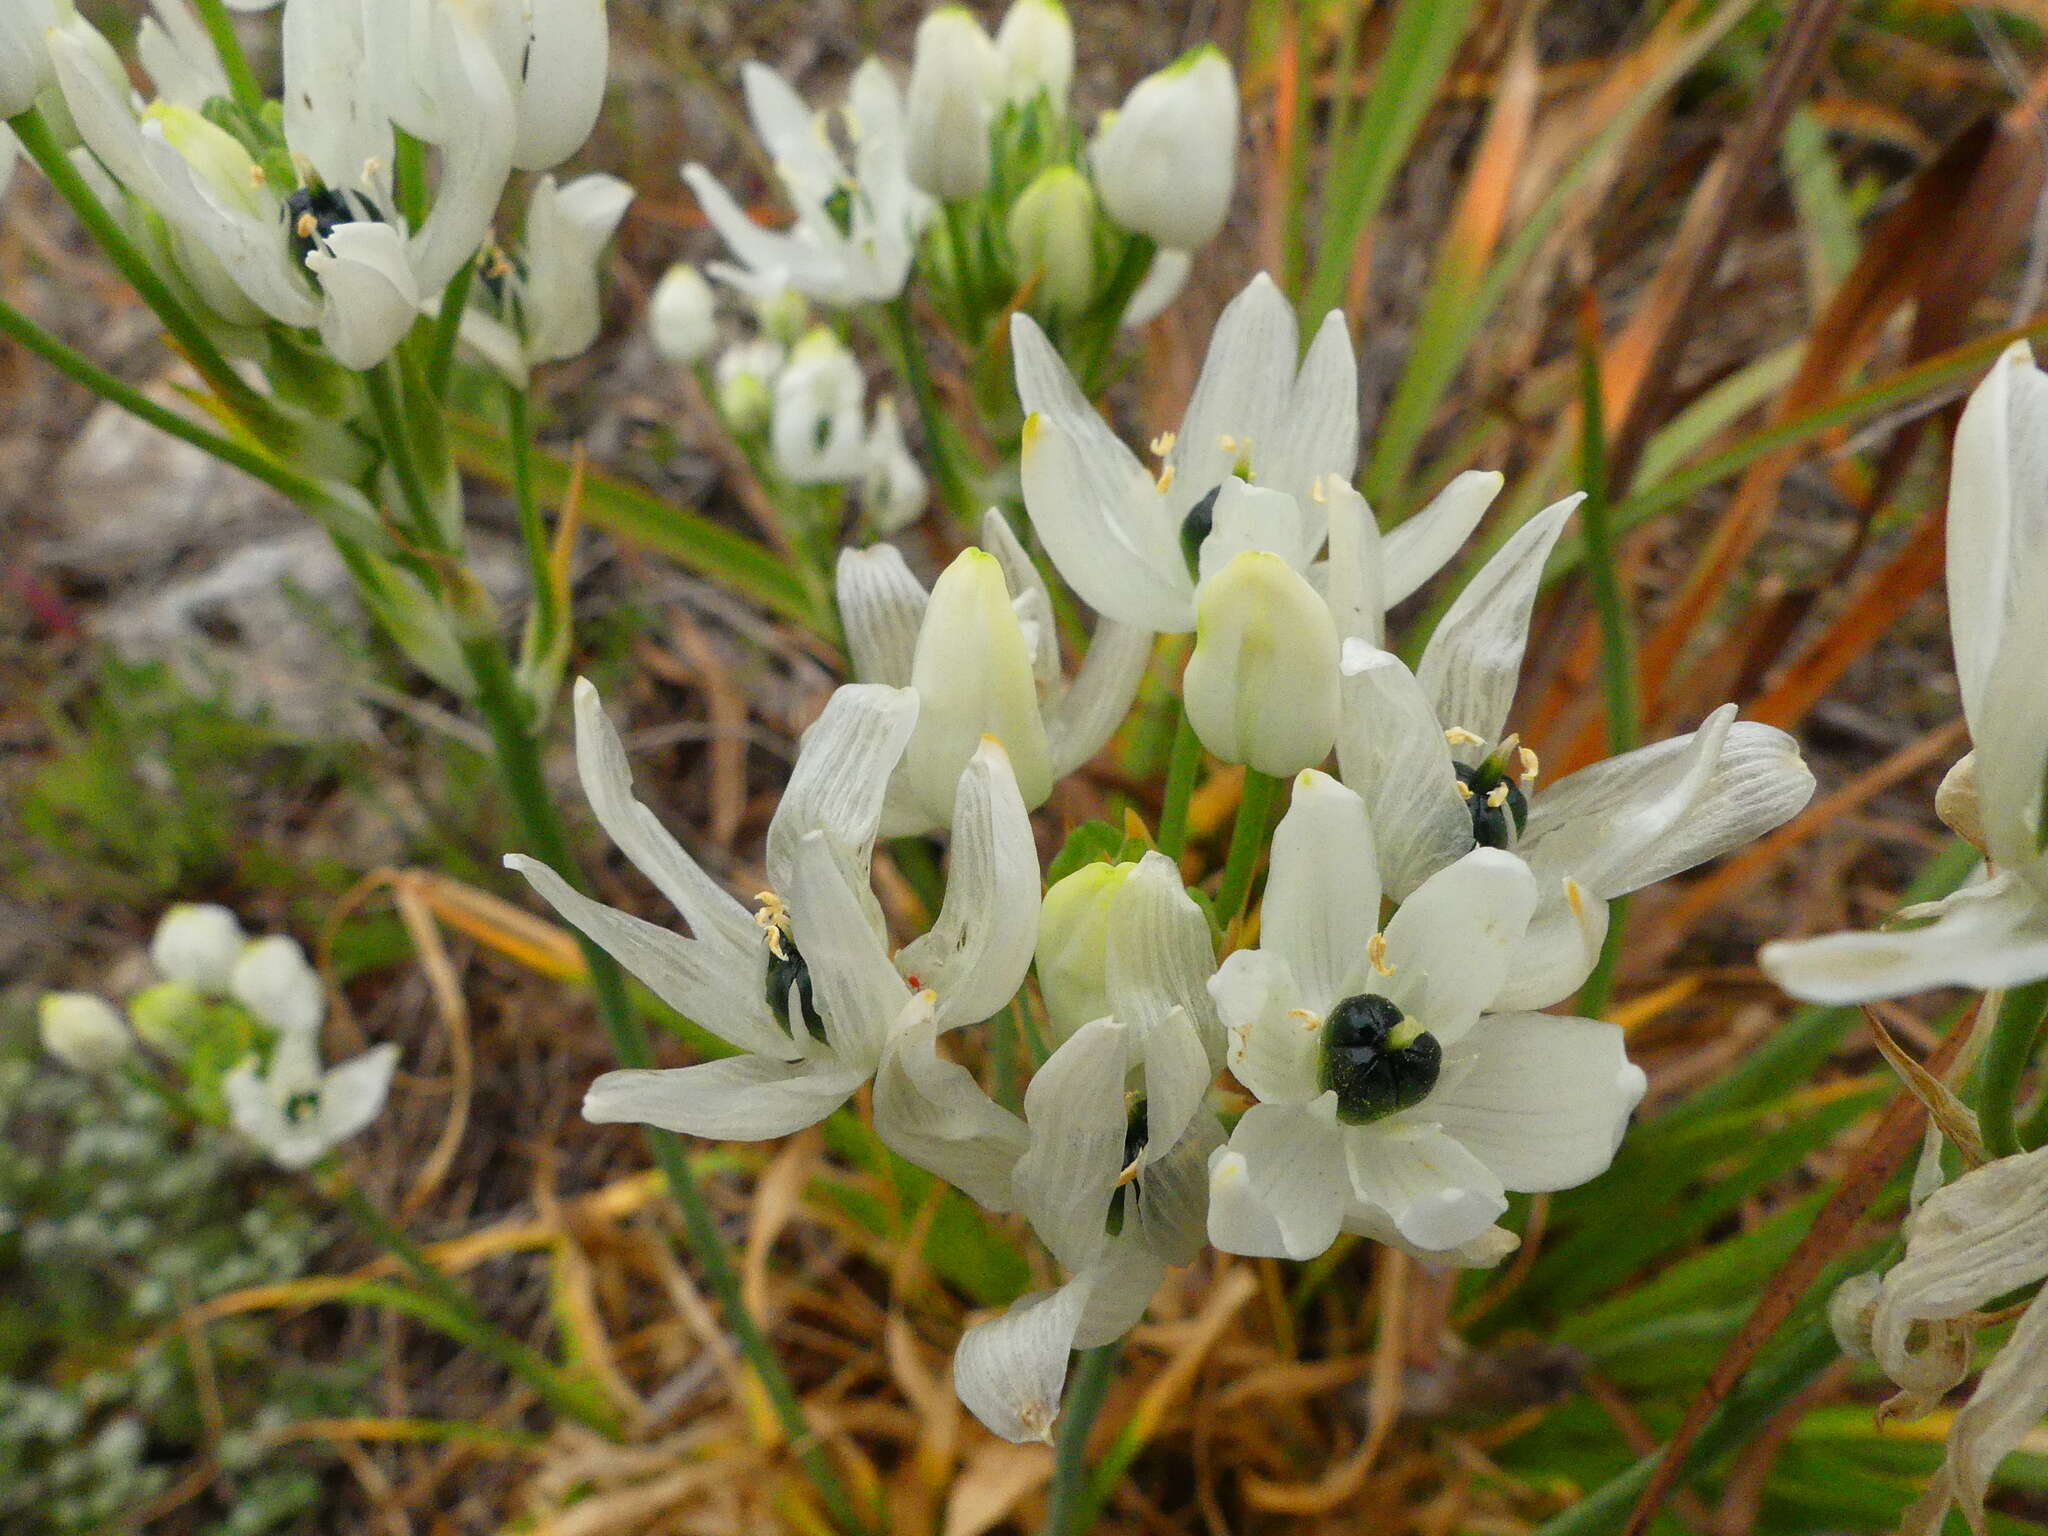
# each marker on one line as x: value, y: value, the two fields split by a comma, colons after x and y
x: 1093, y: 842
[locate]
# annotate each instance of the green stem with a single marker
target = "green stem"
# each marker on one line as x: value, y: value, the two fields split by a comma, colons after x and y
x: 1247, y: 842
x: 2011, y: 1047
x: 42, y: 146
x: 1181, y: 769
x: 954, y: 490
x: 448, y: 329
x: 1592, y: 999
x: 1617, y: 642
x: 409, y: 179
x: 561, y: 1391
x: 966, y: 270
x: 1066, y: 1500
x: 75, y: 366
x: 1093, y: 351
x: 220, y: 31
x: 532, y: 527
x: 387, y: 405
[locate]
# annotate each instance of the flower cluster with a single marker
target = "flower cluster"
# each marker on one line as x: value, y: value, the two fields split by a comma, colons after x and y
x: 1420, y: 909
x: 238, y: 1019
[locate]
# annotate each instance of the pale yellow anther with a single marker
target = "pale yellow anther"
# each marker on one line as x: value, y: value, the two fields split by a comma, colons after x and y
x: 1162, y: 445
x: 773, y: 920
x: 1309, y: 1021
x: 256, y: 177
x: 372, y: 169
x: 1575, y: 898
x: 1497, y: 796
x: 1165, y: 483
x: 1530, y: 767
x: 1458, y: 736
x: 1227, y: 443
x: 1319, y: 493
x: 1376, y: 952
x: 307, y: 226
x: 1464, y: 790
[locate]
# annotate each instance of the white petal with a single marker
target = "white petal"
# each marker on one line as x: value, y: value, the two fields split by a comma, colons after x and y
x: 1560, y: 948
x: 1120, y: 1287
x: 859, y: 993
x: 1028, y: 591
x: 842, y: 771
x: 2010, y: 730
x: 1011, y: 1371
x: 1998, y: 511
x: 1100, y: 699
x: 742, y: 1098
x: 1322, y: 902
x: 1159, y: 956
x: 476, y: 157
x: 198, y: 943
x: 933, y: 1113
x: 1172, y: 1210
x: 371, y: 297
x: 607, y: 780
x: 1177, y: 1078
x: 1418, y: 547
x: 1474, y: 660
x: 1448, y: 945
x: 1162, y: 284
x: 562, y: 90
x: 1356, y: 580
x: 1391, y: 750
x: 1317, y: 437
x: 1243, y: 393
x: 353, y: 1094
x: 1438, y: 1195
x: 1989, y: 935
x: 979, y: 947
x: 1100, y: 520
x: 788, y: 129
x: 1075, y: 1105
x: 709, y: 983
x: 566, y: 233
x: 1275, y: 1046
x: 329, y: 118
x: 1541, y: 1100
x: 1252, y: 517
x: 1279, y: 1189
x: 273, y: 981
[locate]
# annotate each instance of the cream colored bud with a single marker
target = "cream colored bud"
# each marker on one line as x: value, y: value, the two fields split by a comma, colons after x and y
x: 1166, y: 163
x: 956, y: 80
x: 24, y: 53
x: 1073, y: 945
x: 83, y: 1031
x: 682, y: 316
x: 198, y: 943
x: 1261, y: 686
x: 1036, y: 42
x: 1850, y: 1311
x: 1052, y: 234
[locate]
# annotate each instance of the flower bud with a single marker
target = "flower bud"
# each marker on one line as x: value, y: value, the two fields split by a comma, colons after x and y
x: 1073, y: 945
x: 169, y: 1017
x: 893, y: 489
x: 1036, y: 42
x: 1167, y: 162
x: 1956, y: 802
x: 956, y: 80
x: 819, y: 431
x: 745, y: 375
x: 24, y: 53
x: 273, y: 981
x: 683, y: 316
x: 1261, y: 686
x: 783, y: 315
x: 83, y: 1031
x: 216, y: 156
x: 198, y: 943
x: 1052, y: 233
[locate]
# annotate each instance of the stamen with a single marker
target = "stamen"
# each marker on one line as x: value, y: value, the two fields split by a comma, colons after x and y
x: 1458, y: 736
x: 1507, y: 746
x: 1308, y: 1020
x: 256, y: 176
x: 1530, y: 767
x: 372, y: 169
x: 1464, y: 790
x: 307, y: 227
x: 1496, y: 797
x: 1227, y: 443
x: 1162, y: 445
x: 1376, y: 952
x: 1165, y: 482
x: 773, y: 920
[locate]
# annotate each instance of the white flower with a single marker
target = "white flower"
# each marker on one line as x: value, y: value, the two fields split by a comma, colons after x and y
x: 1112, y: 1175
x: 198, y: 943
x: 982, y: 653
x: 1051, y: 229
x: 1036, y: 42
x: 682, y: 316
x: 856, y: 229
x: 1440, y: 774
x: 1993, y: 933
x: 330, y: 252
x: 83, y: 1031
x: 272, y: 980
x: 818, y: 434
x: 24, y: 55
x: 956, y: 84
x: 745, y: 375
x: 179, y: 56
x: 549, y: 303
x: 807, y: 989
x: 295, y: 1112
x: 893, y: 488
x: 1166, y: 163
x: 1392, y: 1101
x: 1253, y: 484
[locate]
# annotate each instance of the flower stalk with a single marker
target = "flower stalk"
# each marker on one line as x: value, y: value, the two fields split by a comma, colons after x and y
x: 1247, y: 842
x: 2021, y: 1014
x: 1067, y: 1500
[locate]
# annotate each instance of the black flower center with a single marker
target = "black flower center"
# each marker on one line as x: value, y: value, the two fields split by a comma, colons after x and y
x: 1125, y: 1199
x: 310, y: 214
x: 1499, y: 808
x: 302, y: 1106
x: 1194, y: 528
x: 1372, y: 1076
x: 787, y: 972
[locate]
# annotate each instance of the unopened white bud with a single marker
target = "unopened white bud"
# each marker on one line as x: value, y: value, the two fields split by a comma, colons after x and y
x: 745, y: 375
x: 894, y: 488
x: 1956, y: 802
x: 83, y: 1031
x: 1167, y: 162
x: 783, y: 315
x: 198, y: 943
x: 1073, y: 945
x: 683, y: 316
x: 273, y: 981
x: 24, y: 53
x: 1261, y: 686
x: 1036, y: 42
x: 956, y: 81
x: 1052, y: 233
